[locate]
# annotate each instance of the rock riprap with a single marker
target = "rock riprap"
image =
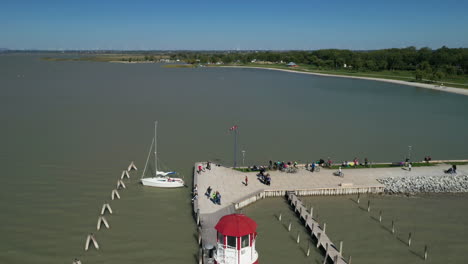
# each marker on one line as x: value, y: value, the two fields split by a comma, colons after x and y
x: 429, y: 184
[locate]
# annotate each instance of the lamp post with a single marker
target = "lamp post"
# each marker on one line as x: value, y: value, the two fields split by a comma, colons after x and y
x: 243, y: 158
x: 409, y: 153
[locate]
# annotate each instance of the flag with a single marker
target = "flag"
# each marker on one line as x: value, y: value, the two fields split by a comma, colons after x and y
x: 233, y: 128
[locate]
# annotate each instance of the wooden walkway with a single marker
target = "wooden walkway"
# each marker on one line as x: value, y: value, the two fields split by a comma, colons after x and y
x: 323, y: 242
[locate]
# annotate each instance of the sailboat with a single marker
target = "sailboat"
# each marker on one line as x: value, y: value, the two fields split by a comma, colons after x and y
x: 160, y: 178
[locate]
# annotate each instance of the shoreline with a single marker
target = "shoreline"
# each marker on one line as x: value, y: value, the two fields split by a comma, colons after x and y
x: 447, y: 89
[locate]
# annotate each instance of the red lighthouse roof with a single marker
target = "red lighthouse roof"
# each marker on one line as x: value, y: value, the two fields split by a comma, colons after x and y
x: 236, y: 225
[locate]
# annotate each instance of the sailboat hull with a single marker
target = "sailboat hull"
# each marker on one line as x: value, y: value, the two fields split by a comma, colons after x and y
x: 163, y: 182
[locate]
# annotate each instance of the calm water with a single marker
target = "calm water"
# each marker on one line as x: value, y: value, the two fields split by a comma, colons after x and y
x: 69, y: 128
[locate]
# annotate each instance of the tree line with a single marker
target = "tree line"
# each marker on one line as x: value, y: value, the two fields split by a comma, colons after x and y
x: 424, y: 62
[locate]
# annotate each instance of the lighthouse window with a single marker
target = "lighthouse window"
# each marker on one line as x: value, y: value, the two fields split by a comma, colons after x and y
x: 245, y: 241
x: 231, y: 241
x: 220, y: 238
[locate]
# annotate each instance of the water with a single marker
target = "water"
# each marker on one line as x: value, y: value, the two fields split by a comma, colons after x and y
x: 70, y: 128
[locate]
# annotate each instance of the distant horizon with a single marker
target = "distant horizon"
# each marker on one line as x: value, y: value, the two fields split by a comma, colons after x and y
x: 208, y: 50
x: 243, y: 25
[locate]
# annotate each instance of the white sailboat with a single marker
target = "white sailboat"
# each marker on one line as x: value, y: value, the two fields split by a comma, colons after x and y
x: 160, y: 178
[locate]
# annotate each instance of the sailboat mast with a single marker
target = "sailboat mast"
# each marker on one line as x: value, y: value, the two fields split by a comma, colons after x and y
x: 147, y: 159
x: 155, y: 152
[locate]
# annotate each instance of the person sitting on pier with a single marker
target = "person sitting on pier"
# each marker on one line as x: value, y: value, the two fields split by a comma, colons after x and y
x: 208, y: 165
x: 200, y: 169
x: 208, y: 192
x: 267, y: 179
x: 321, y: 162
x: 452, y: 170
x: 218, y: 198
x: 312, y: 167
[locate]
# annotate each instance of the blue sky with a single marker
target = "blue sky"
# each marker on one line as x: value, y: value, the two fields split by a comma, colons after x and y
x: 279, y: 25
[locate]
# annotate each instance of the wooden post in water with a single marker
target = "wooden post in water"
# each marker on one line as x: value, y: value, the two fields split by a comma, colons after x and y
x: 318, y: 239
x: 393, y: 227
x: 308, y: 248
x: 198, y: 217
x: 409, y: 240
x: 298, y: 237
x: 341, y: 248
x: 326, y: 254
x: 358, y: 197
x: 324, y: 227
x: 368, y: 206
x: 380, y: 216
x: 311, y: 212
x: 349, y: 260
x: 425, y: 252
x: 200, y: 256
x: 289, y: 226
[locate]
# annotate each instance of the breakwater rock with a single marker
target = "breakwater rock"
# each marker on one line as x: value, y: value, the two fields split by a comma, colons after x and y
x: 423, y: 184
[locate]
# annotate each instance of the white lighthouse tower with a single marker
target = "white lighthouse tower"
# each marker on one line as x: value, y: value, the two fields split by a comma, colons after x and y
x: 236, y: 235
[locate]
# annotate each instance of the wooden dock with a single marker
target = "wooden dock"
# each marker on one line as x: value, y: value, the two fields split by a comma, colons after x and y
x: 319, y: 236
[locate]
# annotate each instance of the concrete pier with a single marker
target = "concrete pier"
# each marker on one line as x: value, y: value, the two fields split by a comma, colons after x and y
x: 236, y: 195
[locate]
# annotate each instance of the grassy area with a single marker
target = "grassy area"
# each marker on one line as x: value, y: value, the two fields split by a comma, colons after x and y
x: 452, y: 81
x: 457, y: 163
x: 387, y: 165
x: 245, y: 170
x: 179, y: 66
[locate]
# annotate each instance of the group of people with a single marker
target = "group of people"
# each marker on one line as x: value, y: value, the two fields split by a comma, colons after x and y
x: 452, y: 170
x: 264, y: 177
x: 215, y: 197
x: 355, y: 162
x: 201, y: 169
x: 427, y: 159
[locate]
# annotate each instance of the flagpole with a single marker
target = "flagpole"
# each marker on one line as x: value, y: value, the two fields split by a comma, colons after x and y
x: 235, y: 147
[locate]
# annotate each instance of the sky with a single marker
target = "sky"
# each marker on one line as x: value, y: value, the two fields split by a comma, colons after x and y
x: 232, y: 25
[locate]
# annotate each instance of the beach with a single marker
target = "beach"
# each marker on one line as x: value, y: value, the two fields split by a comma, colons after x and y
x: 419, y: 85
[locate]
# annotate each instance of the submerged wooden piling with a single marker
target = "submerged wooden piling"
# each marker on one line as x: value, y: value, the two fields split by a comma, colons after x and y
x: 324, y: 227
x: 131, y: 167
x: 279, y: 217
x: 368, y: 206
x: 124, y: 175
x: 318, y: 239
x: 102, y: 220
x: 91, y: 240
x: 114, y: 194
x: 308, y: 249
x: 298, y: 237
x: 380, y: 216
x: 358, y: 197
x: 393, y: 227
x: 341, y: 248
x: 289, y: 226
x: 106, y: 207
x: 425, y: 252
x: 120, y: 184
x: 349, y: 260
x: 409, y: 240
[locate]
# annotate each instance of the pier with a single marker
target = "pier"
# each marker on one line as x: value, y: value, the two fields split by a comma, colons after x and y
x: 235, y: 194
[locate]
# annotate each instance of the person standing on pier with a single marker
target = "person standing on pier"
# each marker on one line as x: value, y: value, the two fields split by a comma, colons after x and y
x: 208, y: 165
x: 208, y: 192
x: 246, y: 180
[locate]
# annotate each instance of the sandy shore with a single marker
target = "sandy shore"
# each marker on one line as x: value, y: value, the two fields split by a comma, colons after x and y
x: 420, y: 85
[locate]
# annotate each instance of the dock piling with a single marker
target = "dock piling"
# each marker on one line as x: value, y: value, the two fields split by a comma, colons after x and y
x: 358, y: 197
x: 324, y: 227
x: 279, y: 217
x: 326, y: 254
x: 425, y: 252
x: 114, y: 194
x: 105, y: 207
x: 349, y: 260
x: 308, y: 249
x: 341, y: 248
x: 393, y: 227
x: 120, y: 184
x: 368, y: 206
x: 124, y: 175
x: 132, y: 167
x: 289, y: 226
x: 318, y: 239
x: 298, y: 237
x: 380, y: 216
x: 409, y: 240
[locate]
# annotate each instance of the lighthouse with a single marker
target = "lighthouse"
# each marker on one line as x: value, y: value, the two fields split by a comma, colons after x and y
x: 236, y: 235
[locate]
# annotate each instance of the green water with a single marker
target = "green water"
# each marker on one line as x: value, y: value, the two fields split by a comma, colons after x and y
x: 438, y: 221
x: 70, y: 128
